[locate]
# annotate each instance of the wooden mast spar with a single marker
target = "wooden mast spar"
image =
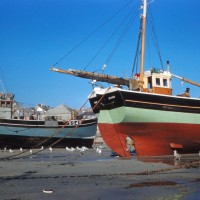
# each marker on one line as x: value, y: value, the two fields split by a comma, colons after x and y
x: 98, y: 77
x: 144, y: 7
x: 186, y: 80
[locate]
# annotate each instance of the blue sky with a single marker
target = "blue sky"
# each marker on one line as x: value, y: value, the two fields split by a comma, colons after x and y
x: 35, y: 34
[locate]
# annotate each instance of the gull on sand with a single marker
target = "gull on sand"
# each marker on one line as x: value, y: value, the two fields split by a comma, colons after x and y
x: 177, y: 155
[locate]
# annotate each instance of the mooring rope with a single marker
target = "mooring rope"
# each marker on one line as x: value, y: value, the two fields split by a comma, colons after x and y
x: 57, y: 132
x: 190, y: 164
x: 44, y: 141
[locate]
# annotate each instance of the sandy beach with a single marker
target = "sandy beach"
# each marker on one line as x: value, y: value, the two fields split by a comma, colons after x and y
x: 61, y: 174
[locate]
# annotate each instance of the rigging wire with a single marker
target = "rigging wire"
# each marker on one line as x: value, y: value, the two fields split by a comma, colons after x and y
x: 122, y: 36
x: 135, y: 64
x: 14, y: 156
x: 154, y: 35
x: 48, y: 138
x: 155, y: 41
x: 109, y: 38
x: 92, y: 33
x: 3, y: 82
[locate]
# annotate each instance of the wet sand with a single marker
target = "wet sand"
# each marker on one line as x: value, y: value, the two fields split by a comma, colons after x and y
x: 68, y: 175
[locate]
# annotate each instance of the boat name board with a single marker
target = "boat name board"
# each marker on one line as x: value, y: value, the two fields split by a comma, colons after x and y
x: 74, y: 122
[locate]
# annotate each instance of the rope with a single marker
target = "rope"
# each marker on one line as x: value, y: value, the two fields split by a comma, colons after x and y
x: 109, y: 38
x: 121, y: 37
x: 36, y: 152
x: 17, y: 131
x: 56, y: 133
x: 137, y: 51
x: 154, y: 37
x: 186, y: 165
x: 92, y: 33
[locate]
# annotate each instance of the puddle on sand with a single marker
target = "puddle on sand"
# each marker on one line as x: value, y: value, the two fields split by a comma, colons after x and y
x: 155, y: 183
x: 196, y: 180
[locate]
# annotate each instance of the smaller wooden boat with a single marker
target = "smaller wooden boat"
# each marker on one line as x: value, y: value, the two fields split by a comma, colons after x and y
x: 38, y: 129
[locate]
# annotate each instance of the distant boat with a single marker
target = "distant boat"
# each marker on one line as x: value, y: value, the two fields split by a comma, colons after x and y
x: 145, y: 111
x: 42, y: 129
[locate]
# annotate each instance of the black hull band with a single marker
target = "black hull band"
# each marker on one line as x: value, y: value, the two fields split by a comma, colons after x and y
x: 145, y: 100
x: 15, y: 142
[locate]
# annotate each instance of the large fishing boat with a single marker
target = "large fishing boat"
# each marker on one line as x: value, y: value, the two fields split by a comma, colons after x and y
x: 34, y: 129
x: 146, y: 112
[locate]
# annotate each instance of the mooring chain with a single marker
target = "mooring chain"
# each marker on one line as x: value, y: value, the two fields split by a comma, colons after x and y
x: 194, y: 164
x: 186, y: 165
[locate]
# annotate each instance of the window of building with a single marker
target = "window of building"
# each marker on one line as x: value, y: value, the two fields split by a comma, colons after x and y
x: 8, y: 105
x: 3, y: 104
x: 157, y: 81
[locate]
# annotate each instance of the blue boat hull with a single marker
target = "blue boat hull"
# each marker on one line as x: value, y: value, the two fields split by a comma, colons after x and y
x: 34, y: 134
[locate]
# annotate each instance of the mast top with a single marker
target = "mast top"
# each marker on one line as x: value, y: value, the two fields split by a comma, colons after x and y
x: 144, y: 7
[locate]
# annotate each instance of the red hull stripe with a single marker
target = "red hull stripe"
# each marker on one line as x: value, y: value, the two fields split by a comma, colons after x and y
x: 152, y: 139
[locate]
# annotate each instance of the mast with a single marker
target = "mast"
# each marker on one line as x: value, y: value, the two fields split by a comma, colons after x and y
x: 144, y: 7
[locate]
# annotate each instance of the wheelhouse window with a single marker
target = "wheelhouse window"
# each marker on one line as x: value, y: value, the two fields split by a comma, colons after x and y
x: 165, y: 82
